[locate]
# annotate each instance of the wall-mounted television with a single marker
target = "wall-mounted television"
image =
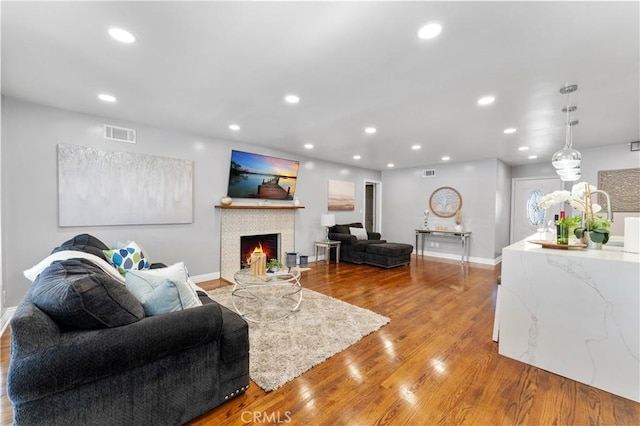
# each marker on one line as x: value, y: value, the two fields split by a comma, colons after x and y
x: 262, y: 176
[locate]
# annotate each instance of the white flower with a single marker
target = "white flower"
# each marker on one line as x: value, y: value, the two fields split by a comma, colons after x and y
x: 555, y: 197
x: 576, y: 198
x: 578, y: 191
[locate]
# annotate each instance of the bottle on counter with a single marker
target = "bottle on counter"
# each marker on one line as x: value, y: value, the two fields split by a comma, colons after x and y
x: 562, y: 230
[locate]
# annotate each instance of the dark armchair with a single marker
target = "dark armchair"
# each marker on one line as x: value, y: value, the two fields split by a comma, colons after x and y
x: 353, y: 246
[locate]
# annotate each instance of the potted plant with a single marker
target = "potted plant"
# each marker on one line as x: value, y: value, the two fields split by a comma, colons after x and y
x: 591, y: 228
x: 273, y: 265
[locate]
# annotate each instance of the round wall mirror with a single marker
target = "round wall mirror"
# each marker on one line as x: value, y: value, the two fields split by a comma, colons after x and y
x: 445, y: 201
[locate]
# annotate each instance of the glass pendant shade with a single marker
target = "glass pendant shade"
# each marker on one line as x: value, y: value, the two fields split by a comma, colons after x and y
x: 568, y: 172
x: 572, y: 177
x: 566, y: 158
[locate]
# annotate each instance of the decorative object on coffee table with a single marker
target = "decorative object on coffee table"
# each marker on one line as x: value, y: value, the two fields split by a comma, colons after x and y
x: 258, y: 263
x: 445, y: 201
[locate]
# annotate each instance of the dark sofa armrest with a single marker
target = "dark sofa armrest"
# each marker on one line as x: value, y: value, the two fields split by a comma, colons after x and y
x: 83, y: 356
x: 343, y: 238
x: 374, y: 235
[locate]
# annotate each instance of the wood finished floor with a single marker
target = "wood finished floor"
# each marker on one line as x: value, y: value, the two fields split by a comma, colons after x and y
x: 434, y: 363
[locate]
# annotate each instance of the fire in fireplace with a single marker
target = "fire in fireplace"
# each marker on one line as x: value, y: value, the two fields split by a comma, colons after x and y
x: 268, y: 243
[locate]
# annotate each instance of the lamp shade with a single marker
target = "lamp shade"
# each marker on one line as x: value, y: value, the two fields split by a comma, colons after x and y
x: 327, y: 219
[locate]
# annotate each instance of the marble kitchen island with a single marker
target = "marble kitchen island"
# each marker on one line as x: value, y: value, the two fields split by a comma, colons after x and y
x: 575, y: 313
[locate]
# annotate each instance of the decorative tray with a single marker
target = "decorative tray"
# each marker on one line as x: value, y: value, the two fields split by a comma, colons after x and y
x: 552, y: 245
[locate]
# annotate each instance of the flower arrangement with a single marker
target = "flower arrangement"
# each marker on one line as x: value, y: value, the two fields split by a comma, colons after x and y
x: 580, y: 199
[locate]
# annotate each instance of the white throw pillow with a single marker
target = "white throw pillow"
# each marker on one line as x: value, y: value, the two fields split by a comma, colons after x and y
x: 360, y: 233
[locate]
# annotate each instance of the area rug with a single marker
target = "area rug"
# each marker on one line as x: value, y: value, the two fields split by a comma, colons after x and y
x: 282, y: 350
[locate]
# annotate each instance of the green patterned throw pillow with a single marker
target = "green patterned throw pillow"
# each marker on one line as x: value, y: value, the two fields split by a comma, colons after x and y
x: 127, y: 258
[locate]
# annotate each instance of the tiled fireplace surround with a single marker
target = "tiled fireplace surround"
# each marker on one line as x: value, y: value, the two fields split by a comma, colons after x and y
x: 238, y: 222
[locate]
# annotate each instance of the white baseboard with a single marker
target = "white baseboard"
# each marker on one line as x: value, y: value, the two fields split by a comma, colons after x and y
x: 6, y: 317
x: 451, y: 256
x: 205, y: 277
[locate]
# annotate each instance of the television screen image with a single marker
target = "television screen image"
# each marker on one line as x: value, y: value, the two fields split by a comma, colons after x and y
x: 261, y: 176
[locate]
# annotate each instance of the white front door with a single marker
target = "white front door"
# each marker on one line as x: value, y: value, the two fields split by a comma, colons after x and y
x: 526, y: 217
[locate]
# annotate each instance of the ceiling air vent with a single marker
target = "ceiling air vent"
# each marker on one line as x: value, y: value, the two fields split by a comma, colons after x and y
x: 119, y: 134
x: 429, y: 173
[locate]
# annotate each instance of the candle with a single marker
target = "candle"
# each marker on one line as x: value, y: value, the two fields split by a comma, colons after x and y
x: 258, y: 263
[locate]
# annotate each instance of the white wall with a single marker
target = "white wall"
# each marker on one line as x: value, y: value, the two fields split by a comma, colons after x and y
x: 30, y: 204
x: 406, y: 193
x: 503, y: 207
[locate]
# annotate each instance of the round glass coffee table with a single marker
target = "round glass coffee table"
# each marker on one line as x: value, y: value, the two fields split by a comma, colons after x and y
x: 266, y: 298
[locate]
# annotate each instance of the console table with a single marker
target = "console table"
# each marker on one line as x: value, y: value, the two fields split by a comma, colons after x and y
x: 463, y: 236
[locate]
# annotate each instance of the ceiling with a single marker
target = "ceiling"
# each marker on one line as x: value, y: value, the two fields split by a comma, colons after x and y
x: 201, y: 66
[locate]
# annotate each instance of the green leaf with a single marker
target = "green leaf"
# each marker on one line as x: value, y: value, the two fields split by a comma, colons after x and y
x: 578, y: 232
x: 599, y: 235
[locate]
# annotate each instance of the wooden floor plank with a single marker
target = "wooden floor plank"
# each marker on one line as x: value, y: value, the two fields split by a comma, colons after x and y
x: 434, y: 363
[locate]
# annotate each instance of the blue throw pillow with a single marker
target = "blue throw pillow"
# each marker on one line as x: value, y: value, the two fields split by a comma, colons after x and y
x: 162, y: 290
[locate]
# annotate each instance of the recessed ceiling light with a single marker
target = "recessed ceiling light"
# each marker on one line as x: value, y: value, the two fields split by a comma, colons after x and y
x: 390, y: 165
x: 234, y: 127
x: 446, y: 158
x: 370, y: 130
x: 308, y: 145
x: 486, y: 100
x: 509, y: 131
x: 107, y: 98
x: 429, y: 31
x: 292, y: 99
x: 415, y: 147
x: 532, y: 157
x: 523, y: 148
x: 356, y: 157
x: 122, y: 35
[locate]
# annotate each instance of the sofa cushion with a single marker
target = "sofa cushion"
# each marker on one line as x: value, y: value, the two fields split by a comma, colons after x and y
x: 162, y: 290
x: 361, y: 245
x: 340, y: 229
x: 85, y: 243
x: 390, y: 249
x: 78, y: 294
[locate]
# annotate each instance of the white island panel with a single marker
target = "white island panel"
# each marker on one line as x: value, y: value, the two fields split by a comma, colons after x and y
x: 574, y: 313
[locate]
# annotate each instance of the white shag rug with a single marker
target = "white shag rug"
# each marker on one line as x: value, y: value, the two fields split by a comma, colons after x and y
x: 282, y: 350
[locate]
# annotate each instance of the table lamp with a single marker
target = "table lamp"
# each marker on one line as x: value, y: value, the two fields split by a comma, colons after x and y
x: 327, y: 220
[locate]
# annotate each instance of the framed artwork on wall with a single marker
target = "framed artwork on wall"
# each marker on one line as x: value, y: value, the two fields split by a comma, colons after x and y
x: 445, y: 201
x: 342, y: 195
x: 623, y: 187
x: 98, y: 187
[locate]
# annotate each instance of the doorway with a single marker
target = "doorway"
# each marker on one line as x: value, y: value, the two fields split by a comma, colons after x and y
x: 372, y: 205
x: 526, y: 217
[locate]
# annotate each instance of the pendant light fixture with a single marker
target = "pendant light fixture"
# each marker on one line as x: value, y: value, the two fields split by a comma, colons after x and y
x: 567, y: 160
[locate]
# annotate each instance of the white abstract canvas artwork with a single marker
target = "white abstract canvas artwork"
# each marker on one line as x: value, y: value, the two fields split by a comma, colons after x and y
x: 98, y: 187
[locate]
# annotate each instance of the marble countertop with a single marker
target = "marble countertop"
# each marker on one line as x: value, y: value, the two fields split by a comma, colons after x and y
x: 613, y: 251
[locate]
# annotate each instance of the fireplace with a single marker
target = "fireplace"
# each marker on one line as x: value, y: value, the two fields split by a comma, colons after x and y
x: 241, y: 221
x: 267, y: 243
